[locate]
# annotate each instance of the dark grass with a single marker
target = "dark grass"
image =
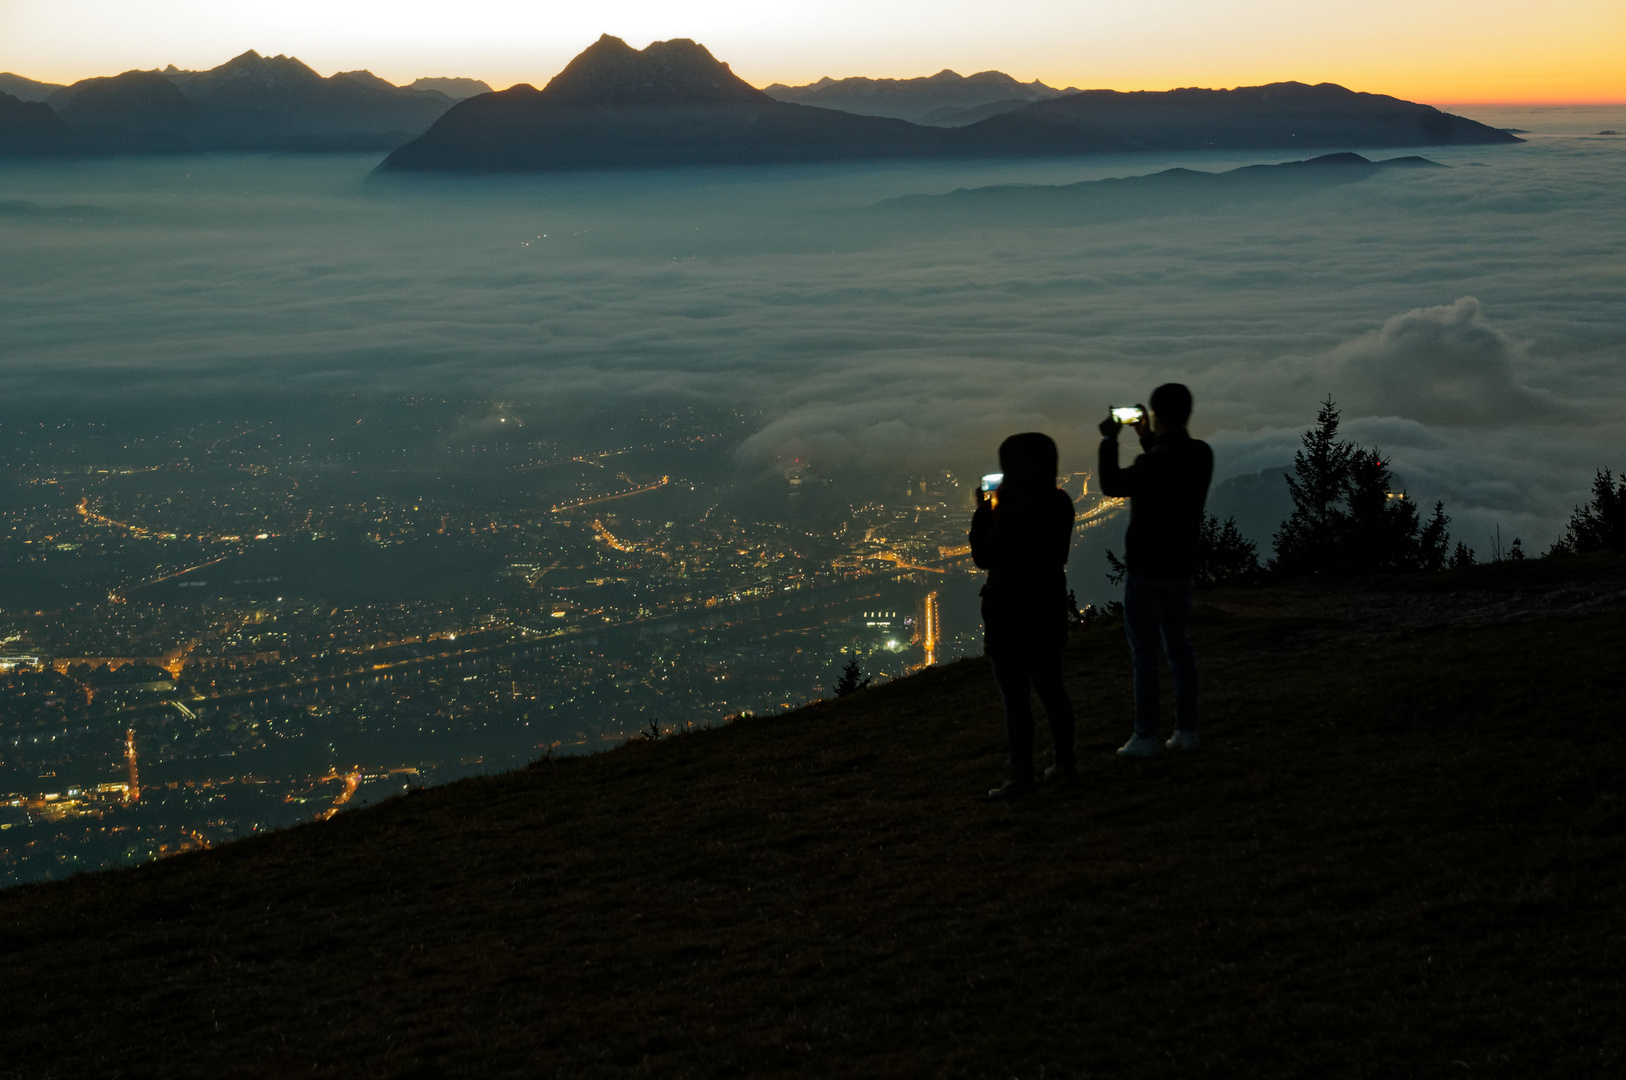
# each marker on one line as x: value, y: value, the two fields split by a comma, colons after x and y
x: 1399, y: 853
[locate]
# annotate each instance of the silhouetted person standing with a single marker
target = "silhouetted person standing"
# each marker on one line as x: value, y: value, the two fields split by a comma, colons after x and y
x: 1166, y: 487
x: 1020, y: 534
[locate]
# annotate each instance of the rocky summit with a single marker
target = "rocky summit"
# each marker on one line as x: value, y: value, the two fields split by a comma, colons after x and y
x: 612, y: 73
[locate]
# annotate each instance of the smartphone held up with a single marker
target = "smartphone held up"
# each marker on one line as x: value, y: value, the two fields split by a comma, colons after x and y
x: 1128, y: 414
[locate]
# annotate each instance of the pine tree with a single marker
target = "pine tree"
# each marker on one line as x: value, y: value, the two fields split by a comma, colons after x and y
x: 852, y: 679
x: 1463, y: 556
x: 1320, y: 480
x: 1434, y: 541
x: 1381, y: 529
x: 1601, y: 524
x: 1347, y: 516
x: 1224, y: 555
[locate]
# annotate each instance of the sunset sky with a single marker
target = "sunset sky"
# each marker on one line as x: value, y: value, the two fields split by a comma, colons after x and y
x: 1439, y: 51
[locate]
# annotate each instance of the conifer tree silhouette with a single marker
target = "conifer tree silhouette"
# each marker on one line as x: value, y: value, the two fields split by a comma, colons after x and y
x: 1308, y: 539
x: 1434, y: 541
x: 852, y: 679
x: 1381, y: 527
x: 1347, y: 516
x: 1224, y: 555
x: 1601, y: 524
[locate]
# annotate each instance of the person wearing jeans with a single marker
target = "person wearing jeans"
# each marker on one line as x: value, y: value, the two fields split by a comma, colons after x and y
x: 1157, y: 614
x: 1166, y: 486
x: 1020, y: 534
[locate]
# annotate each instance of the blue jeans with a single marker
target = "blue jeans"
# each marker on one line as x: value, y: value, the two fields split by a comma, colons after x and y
x: 1018, y: 677
x: 1157, y: 615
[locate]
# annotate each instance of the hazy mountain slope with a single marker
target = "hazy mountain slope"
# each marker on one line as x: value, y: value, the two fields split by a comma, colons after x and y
x: 455, y: 88
x: 1169, y: 191
x: 670, y: 103
x: 954, y: 117
x: 24, y: 89
x: 135, y: 111
x: 368, y: 79
x: 1279, y: 116
x: 252, y: 102
x: 914, y: 99
x: 1398, y: 852
x: 30, y: 127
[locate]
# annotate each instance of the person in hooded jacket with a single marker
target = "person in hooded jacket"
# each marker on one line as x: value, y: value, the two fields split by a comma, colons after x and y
x: 1020, y: 534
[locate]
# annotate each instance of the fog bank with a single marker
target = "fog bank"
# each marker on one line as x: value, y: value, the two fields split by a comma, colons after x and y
x: 1469, y: 320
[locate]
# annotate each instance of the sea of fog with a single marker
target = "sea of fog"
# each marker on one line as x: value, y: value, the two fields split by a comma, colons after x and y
x: 1470, y: 321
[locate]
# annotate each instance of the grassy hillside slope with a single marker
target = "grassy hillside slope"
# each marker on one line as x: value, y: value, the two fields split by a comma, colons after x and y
x: 1400, y: 853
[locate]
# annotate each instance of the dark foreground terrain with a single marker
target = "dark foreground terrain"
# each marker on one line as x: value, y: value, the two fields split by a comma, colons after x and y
x: 1399, y: 853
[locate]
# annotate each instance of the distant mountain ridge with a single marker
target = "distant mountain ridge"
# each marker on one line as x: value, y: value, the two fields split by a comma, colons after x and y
x: 251, y: 102
x: 1276, y: 116
x: 947, y: 98
x: 455, y: 88
x: 24, y: 89
x: 1160, y: 193
x: 673, y: 103
x: 30, y: 127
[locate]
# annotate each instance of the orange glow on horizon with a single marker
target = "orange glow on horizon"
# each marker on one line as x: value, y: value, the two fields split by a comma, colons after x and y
x: 1435, y: 51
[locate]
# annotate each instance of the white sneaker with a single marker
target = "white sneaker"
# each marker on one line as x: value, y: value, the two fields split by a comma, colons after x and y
x: 1183, y: 740
x: 1138, y: 747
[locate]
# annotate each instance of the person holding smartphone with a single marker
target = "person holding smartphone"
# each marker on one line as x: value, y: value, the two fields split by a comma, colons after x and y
x: 1020, y: 533
x: 1166, y: 486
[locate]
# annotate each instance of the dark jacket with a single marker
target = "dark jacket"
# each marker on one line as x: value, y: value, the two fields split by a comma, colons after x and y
x: 1023, y: 545
x: 1166, y: 488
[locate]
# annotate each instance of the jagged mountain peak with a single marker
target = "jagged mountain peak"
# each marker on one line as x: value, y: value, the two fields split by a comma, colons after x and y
x: 675, y: 72
x: 366, y: 78
x: 455, y: 87
x: 252, y: 63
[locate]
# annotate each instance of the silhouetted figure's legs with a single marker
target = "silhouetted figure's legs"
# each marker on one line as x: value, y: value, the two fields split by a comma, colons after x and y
x: 1017, y: 678
x: 1157, y: 615
x: 1182, y: 656
x: 1058, y: 709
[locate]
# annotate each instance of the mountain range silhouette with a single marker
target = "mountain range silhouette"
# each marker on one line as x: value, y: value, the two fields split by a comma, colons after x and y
x: 1161, y: 193
x: 673, y: 103
x: 947, y: 99
x: 30, y: 127
x: 251, y: 102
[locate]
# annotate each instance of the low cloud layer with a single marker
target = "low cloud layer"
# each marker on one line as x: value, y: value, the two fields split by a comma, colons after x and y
x: 1470, y: 321
x: 1443, y: 365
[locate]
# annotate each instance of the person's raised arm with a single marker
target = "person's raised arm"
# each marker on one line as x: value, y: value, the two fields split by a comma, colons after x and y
x: 1115, y: 482
x: 982, y: 531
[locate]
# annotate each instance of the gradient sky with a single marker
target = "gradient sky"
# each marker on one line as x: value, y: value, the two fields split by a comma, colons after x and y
x: 1439, y: 51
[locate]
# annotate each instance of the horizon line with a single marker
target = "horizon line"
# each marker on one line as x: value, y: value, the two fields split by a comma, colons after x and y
x: 1436, y: 100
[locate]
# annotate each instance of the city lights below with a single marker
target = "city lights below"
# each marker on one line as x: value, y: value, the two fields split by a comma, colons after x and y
x: 578, y: 503
x: 133, y: 793
x: 929, y: 627
x: 418, y: 627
